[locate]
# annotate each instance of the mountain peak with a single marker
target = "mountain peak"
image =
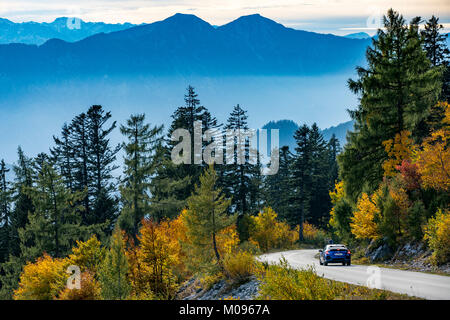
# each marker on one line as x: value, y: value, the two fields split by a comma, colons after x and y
x: 185, y: 18
x: 253, y: 21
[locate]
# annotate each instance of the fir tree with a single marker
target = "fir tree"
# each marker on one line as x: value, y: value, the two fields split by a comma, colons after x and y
x: 166, y: 189
x: 301, y: 176
x: 207, y: 216
x: 184, y: 117
x: 23, y: 205
x: 101, y: 164
x: 278, y: 188
x: 435, y: 46
x: 5, y: 213
x: 54, y: 226
x: 143, y: 141
x: 396, y: 91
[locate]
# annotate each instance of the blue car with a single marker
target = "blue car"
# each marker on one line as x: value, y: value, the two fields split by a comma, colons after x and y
x: 335, y: 253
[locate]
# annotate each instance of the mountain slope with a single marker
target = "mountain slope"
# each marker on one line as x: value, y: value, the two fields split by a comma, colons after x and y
x: 186, y: 45
x: 63, y: 28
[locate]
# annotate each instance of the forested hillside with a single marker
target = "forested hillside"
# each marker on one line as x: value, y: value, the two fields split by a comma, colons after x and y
x: 144, y: 234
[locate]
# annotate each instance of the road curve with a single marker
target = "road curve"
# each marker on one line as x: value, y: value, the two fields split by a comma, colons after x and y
x: 423, y: 285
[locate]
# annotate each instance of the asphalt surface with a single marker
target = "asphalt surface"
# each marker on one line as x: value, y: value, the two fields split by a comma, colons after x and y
x: 418, y: 284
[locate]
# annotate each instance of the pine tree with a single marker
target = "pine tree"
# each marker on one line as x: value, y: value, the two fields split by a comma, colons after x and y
x: 184, y: 117
x: 101, y: 164
x: 301, y: 176
x: 143, y: 141
x: 334, y: 149
x: 113, y: 270
x: 80, y: 148
x: 237, y: 176
x: 63, y: 155
x: 55, y: 224
x: 278, y: 188
x: 434, y: 42
x: 85, y: 159
x: 396, y: 91
x: 23, y: 205
x: 207, y: 216
x: 166, y: 190
x: 435, y: 46
x: 310, y: 181
x: 6, y: 197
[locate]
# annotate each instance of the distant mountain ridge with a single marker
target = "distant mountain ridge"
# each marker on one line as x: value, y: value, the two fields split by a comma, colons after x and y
x: 358, y: 35
x: 288, y: 127
x: 186, y: 45
x: 64, y: 28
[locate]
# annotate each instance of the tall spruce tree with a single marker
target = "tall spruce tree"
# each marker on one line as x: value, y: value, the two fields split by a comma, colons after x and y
x: 23, y: 204
x: 237, y: 176
x: 166, y: 189
x: 140, y: 148
x: 434, y: 43
x: 184, y: 117
x: 396, y: 89
x: 320, y: 168
x: 85, y: 159
x: 278, y: 188
x: 80, y: 148
x: 101, y: 164
x: 63, y: 155
x: 301, y: 176
x: 6, y: 199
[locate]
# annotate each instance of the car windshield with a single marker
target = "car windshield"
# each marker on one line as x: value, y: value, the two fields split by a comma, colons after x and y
x: 334, y: 248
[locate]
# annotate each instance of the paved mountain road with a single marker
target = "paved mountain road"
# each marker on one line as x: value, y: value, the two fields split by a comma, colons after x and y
x: 424, y: 285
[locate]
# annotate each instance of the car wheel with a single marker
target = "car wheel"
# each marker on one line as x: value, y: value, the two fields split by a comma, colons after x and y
x: 325, y: 263
x: 349, y: 263
x: 343, y: 263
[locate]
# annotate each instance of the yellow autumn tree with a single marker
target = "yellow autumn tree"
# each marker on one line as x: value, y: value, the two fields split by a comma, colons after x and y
x: 433, y: 159
x: 89, y: 289
x: 363, y: 225
x: 437, y: 233
x: 87, y: 254
x: 152, y: 269
x: 42, y: 280
x: 267, y: 233
x: 398, y: 149
x: 336, y: 195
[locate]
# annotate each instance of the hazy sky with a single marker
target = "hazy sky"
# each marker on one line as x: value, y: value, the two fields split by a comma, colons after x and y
x: 334, y: 16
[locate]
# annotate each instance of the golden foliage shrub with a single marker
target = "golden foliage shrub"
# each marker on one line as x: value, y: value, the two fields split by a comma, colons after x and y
x: 268, y: 233
x: 87, y: 255
x: 239, y: 266
x: 437, y: 233
x: 89, y: 289
x: 42, y: 280
x: 282, y: 282
x: 152, y: 264
x: 363, y: 225
x: 398, y: 149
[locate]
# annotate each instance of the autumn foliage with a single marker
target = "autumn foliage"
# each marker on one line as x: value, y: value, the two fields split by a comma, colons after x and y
x: 268, y: 233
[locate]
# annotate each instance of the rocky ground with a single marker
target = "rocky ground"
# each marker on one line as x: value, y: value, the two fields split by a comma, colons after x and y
x: 411, y: 256
x: 192, y: 290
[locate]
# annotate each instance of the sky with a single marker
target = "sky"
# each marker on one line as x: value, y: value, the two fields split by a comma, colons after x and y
x: 325, y: 16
